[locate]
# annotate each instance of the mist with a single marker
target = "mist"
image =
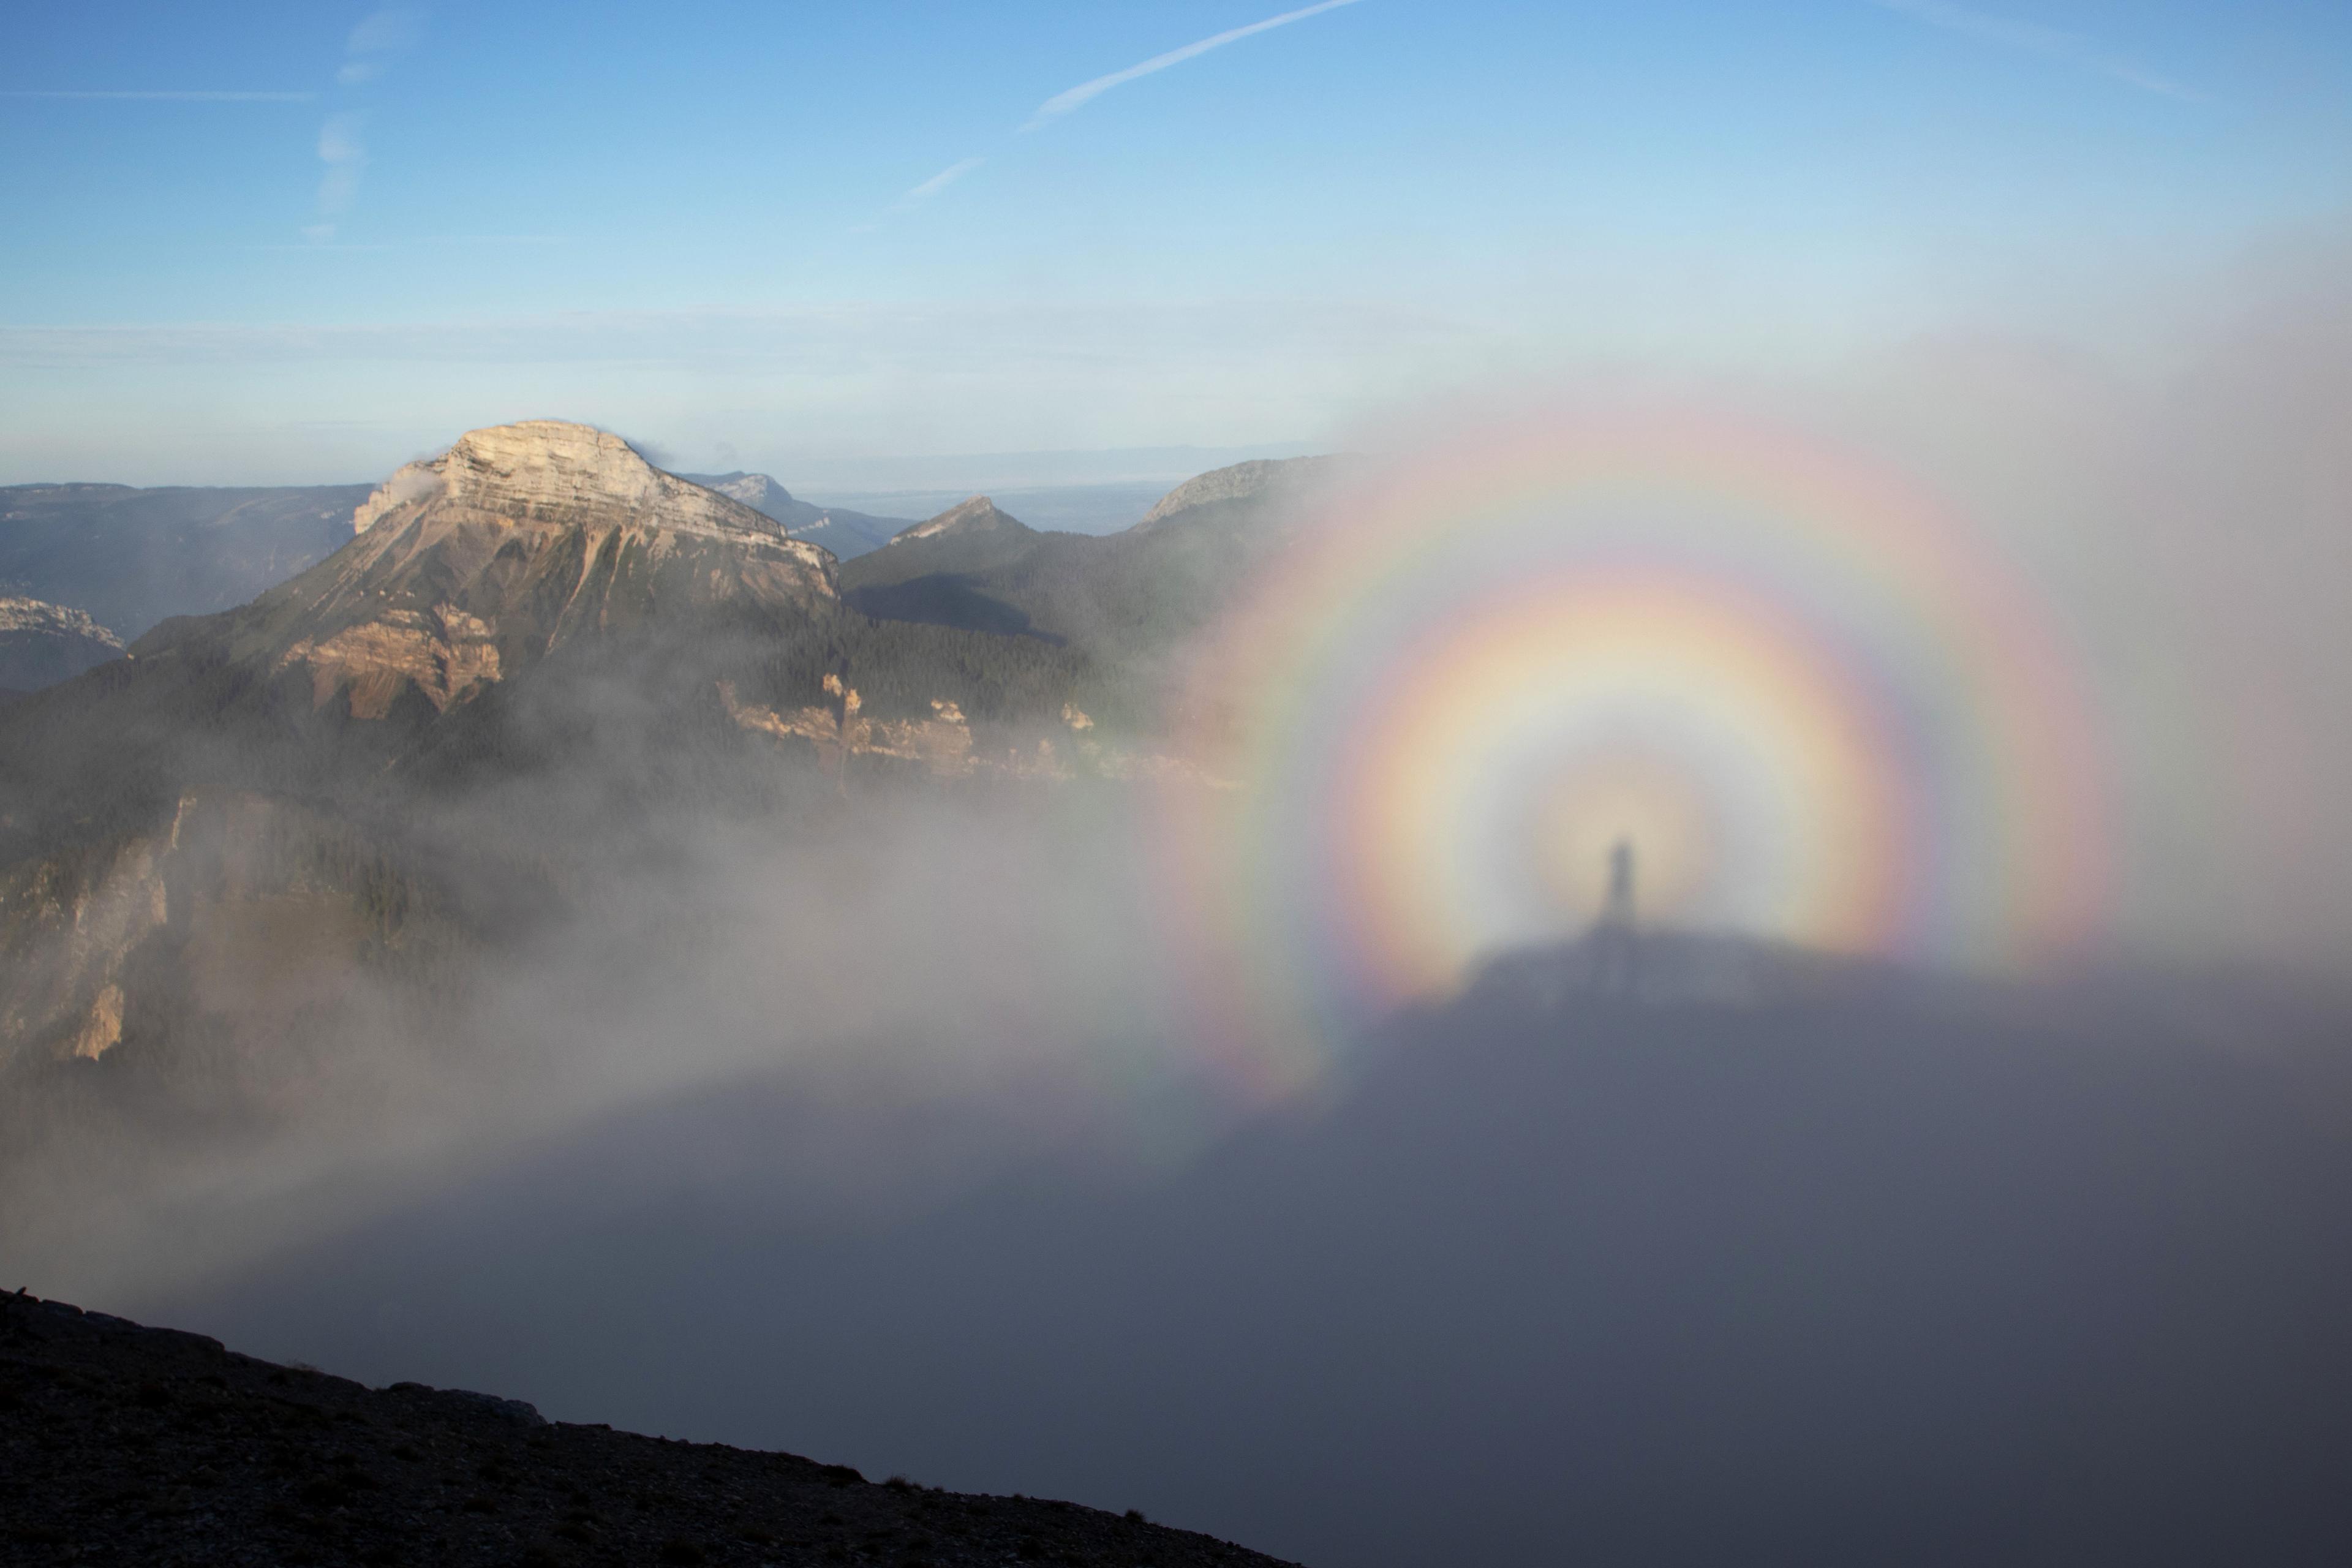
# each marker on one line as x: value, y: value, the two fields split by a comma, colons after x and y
x: 1894, y: 1268
x: 2186, y: 506
x: 867, y: 1117
x: 983, y: 963
x: 2168, y: 471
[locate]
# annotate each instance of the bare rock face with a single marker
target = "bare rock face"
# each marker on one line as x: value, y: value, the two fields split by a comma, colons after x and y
x: 548, y: 471
x: 42, y: 644
x: 68, y: 931
x: 219, y: 919
x: 471, y: 565
x: 978, y: 515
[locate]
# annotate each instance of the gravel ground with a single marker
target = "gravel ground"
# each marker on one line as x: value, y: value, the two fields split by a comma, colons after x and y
x: 126, y: 1445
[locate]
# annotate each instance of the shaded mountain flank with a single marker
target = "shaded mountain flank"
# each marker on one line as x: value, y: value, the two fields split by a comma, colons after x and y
x: 845, y: 533
x: 1130, y: 598
x: 130, y: 558
x: 120, y: 1444
x: 934, y: 572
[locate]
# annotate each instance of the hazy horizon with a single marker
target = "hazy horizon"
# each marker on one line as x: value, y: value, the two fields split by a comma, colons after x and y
x: 847, y: 482
x: 289, y: 245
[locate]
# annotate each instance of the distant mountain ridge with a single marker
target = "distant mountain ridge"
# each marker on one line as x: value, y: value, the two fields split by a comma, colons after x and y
x: 1129, y: 597
x: 839, y: 529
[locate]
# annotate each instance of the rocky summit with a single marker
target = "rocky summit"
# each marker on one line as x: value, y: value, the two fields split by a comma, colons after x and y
x: 469, y: 565
x: 126, y: 1445
x: 550, y: 470
x: 1261, y: 479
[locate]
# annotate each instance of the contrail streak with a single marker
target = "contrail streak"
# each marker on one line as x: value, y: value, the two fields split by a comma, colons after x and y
x: 191, y: 96
x: 1062, y: 103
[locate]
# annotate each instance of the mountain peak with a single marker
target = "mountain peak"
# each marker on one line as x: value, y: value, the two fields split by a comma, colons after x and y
x: 1240, y: 481
x: 467, y: 567
x: 550, y: 470
x: 845, y: 533
x: 978, y: 515
x: 760, y: 492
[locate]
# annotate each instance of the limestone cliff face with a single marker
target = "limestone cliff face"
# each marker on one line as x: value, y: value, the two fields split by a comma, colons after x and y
x: 250, y: 917
x: 944, y: 746
x: 471, y: 565
x: 69, y: 929
x: 548, y: 471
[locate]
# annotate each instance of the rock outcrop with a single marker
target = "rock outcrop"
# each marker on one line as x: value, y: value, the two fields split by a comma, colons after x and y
x: 241, y: 918
x: 548, y: 471
x: 42, y: 644
x: 942, y: 744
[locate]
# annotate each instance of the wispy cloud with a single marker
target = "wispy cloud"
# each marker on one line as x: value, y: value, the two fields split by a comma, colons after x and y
x: 321, y: 237
x: 341, y: 150
x: 2033, y: 37
x: 1062, y: 103
x: 492, y: 240
x: 937, y: 183
x: 192, y: 96
x: 379, y: 36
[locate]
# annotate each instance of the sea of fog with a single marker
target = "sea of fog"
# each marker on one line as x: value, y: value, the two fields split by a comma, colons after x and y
x: 1886, y: 1269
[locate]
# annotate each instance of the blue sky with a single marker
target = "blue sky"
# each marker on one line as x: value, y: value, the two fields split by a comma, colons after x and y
x: 723, y: 227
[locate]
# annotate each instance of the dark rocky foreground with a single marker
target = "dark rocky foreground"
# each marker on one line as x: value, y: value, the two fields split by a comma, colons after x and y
x: 120, y: 1444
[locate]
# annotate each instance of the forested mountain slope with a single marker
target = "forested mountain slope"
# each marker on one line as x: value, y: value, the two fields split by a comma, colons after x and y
x: 1127, y: 598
